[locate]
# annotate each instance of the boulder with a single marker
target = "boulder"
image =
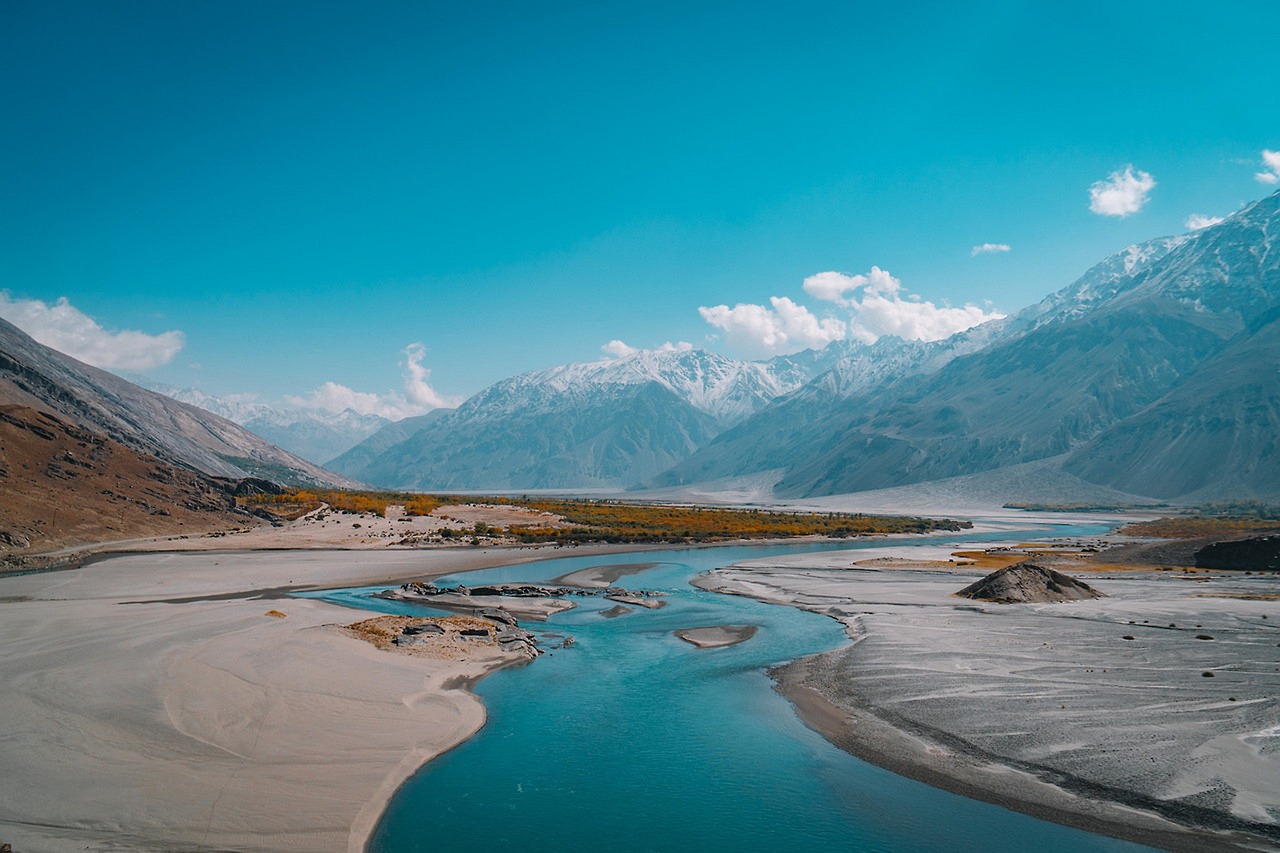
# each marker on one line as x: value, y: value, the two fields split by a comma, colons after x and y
x: 496, y: 614
x: 10, y: 539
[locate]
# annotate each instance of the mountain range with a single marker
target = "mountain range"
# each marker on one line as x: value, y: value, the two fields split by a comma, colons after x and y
x: 600, y: 424
x: 1154, y: 374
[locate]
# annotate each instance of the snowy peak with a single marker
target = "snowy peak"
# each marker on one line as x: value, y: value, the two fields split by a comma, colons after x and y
x: 1221, y: 270
x: 1101, y: 283
x: 727, y: 389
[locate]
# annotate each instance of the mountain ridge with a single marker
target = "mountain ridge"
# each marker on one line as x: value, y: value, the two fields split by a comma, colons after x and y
x: 44, y: 379
x: 1066, y: 381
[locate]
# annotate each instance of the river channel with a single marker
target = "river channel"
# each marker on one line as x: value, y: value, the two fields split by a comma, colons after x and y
x: 631, y: 740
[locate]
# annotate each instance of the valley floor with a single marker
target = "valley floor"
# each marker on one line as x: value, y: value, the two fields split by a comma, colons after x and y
x: 160, y: 701
x: 1151, y: 714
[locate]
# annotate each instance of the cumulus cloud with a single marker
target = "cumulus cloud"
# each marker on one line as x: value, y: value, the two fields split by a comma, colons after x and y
x: 990, y: 248
x: 67, y: 329
x: 785, y: 326
x: 832, y: 286
x: 1196, y: 221
x: 417, y: 397
x: 875, y: 303
x: 1122, y: 193
x: 883, y: 310
x: 617, y: 349
x: 1270, y: 173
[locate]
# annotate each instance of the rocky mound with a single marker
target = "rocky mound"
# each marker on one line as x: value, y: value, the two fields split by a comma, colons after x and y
x: 1030, y: 581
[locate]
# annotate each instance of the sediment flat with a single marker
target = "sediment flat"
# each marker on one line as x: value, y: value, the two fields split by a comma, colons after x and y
x: 1095, y: 714
x: 602, y: 576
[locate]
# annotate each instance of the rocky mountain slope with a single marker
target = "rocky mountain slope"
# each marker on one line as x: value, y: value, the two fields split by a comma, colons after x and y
x: 93, y: 400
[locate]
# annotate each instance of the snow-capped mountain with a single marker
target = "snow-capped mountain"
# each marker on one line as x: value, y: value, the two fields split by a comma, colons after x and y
x: 726, y: 389
x: 612, y: 422
x: 1103, y: 282
x: 313, y: 434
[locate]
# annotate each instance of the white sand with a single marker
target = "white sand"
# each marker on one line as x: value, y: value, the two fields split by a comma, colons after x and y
x: 207, y: 723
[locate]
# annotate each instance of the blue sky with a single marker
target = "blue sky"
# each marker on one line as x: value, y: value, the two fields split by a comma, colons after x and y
x: 304, y: 190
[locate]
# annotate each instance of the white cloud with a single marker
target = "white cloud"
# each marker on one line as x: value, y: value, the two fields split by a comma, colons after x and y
x: 832, y: 286
x: 417, y: 386
x: 617, y: 349
x: 914, y: 321
x: 65, y: 328
x: 784, y: 327
x: 1196, y: 221
x: 418, y: 396
x: 990, y: 248
x: 1122, y: 193
x: 1270, y: 173
x: 332, y: 397
x: 884, y: 308
x: 829, y: 286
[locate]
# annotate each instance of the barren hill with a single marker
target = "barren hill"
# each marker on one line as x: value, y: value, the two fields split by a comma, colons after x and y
x: 65, y: 486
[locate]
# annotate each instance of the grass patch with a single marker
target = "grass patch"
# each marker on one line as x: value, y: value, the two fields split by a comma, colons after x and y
x: 580, y: 521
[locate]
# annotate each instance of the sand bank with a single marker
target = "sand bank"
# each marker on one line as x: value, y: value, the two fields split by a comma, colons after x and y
x: 1094, y: 714
x: 151, y: 703
x: 717, y: 636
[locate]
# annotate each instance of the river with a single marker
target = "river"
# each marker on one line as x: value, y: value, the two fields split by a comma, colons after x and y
x: 631, y: 740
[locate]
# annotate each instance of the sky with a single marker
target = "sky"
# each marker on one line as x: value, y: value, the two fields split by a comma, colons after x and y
x: 393, y: 205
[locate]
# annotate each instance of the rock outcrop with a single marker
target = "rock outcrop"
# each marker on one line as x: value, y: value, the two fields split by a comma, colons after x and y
x: 1031, y: 581
x: 1257, y: 553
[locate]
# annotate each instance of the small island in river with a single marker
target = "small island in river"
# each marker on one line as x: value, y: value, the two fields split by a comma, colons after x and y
x: 717, y: 636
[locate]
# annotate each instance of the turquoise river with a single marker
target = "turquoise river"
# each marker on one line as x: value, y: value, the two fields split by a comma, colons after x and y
x: 631, y: 740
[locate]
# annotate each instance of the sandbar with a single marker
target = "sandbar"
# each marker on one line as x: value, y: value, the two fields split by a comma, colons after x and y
x: 602, y: 576
x: 717, y: 636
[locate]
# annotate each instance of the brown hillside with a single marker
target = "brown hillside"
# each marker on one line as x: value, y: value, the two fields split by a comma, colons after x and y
x: 62, y: 486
